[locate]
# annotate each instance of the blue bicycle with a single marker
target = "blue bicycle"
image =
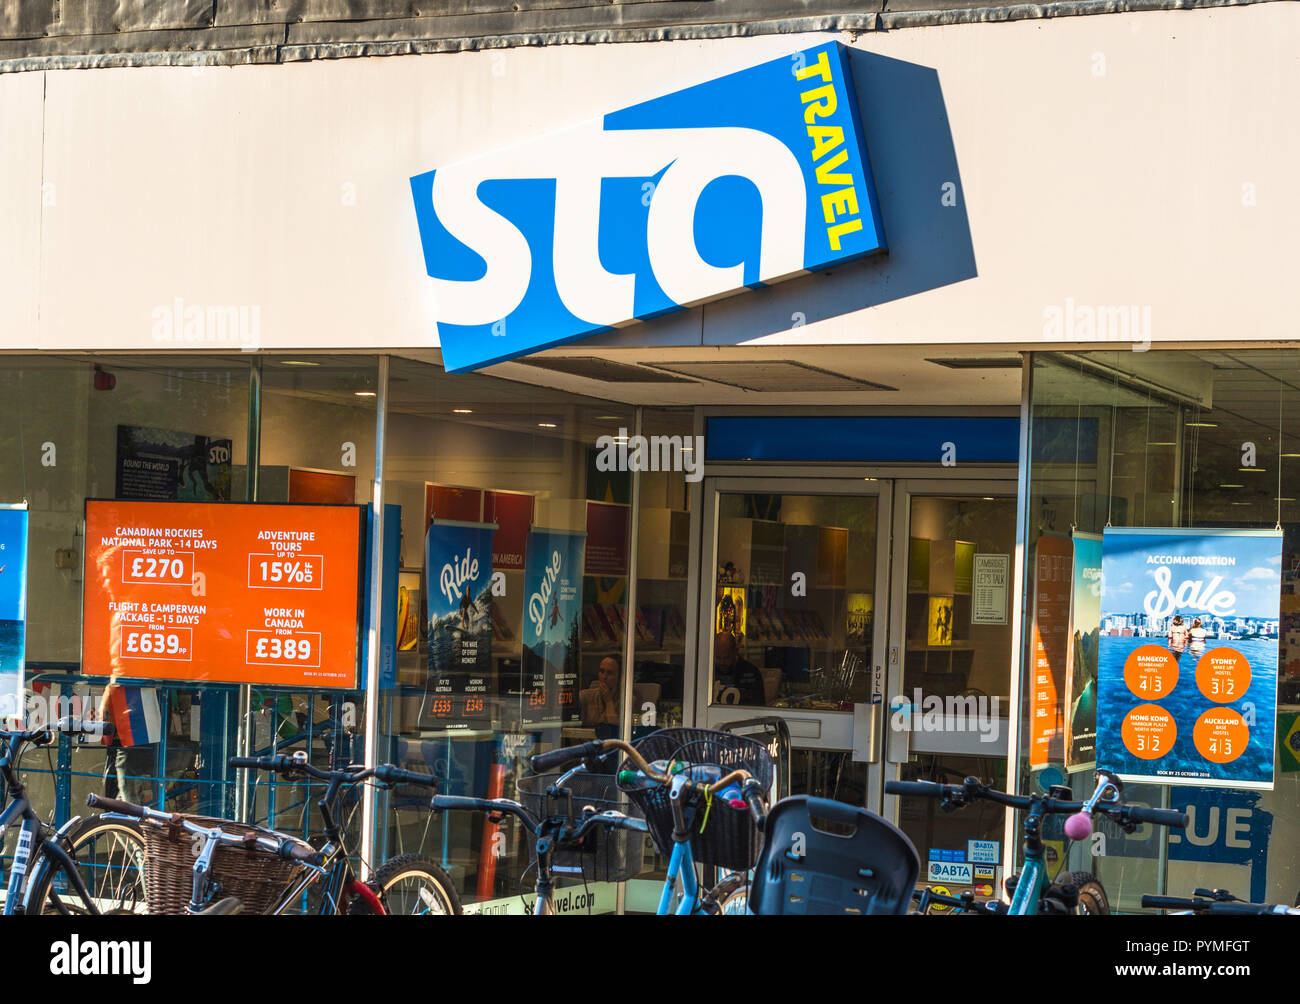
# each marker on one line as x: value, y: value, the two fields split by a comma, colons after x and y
x: 581, y: 814
x: 1032, y: 892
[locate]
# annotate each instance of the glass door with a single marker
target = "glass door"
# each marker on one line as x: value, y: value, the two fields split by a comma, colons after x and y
x: 951, y: 637
x: 795, y: 576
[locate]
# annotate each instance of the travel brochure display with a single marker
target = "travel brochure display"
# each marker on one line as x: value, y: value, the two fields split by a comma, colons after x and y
x: 13, y: 607
x: 458, y: 557
x: 552, y: 627
x: 1187, y: 684
x: 228, y: 592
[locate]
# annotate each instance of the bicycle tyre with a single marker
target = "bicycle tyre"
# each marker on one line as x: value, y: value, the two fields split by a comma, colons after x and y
x: 115, y: 879
x: 1093, y: 901
x: 411, y: 884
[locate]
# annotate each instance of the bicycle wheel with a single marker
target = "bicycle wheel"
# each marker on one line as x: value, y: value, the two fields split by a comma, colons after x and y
x: 1092, y: 897
x: 730, y: 897
x: 410, y: 884
x: 109, y: 854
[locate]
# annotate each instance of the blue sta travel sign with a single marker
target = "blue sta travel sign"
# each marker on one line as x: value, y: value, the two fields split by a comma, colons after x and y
x: 1188, y: 655
x: 743, y: 180
x: 13, y: 608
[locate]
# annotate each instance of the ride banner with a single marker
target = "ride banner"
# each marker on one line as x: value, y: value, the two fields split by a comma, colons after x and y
x: 1081, y: 678
x: 458, y: 561
x: 552, y: 626
x: 13, y: 608
x: 1188, y: 655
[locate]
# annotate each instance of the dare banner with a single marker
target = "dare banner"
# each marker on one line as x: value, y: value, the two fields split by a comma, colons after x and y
x: 552, y: 626
x: 13, y: 608
x: 458, y: 562
x: 1187, y: 679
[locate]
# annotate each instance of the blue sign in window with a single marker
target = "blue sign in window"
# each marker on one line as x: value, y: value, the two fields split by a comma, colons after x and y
x: 864, y: 439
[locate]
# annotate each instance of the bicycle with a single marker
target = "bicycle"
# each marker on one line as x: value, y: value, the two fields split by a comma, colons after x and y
x: 277, y: 869
x: 705, y: 810
x: 87, y: 866
x: 1217, y: 902
x: 1031, y: 891
x: 572, y: 818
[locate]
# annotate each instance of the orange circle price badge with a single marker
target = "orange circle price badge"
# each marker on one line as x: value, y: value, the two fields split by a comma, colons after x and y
x: 1150, y: 671
x: 1221, y: 735
x: 1148, y: 732
x: 1223, y: 675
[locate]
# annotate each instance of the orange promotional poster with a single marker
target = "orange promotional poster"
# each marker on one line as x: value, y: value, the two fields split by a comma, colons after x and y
x: 223, y: 592
x: 1053, y: 587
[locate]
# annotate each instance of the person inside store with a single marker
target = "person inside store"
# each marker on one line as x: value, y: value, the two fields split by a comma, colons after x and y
x: 599, y: 703
x: 732, y: 671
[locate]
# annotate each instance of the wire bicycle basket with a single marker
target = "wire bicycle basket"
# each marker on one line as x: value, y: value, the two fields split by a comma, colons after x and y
x: 606, y: 854
x: 253, y: 875
x: 726, y: 837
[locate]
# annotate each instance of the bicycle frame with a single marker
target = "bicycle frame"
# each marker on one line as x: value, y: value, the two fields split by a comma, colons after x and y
x: 681, y: 863
x: 34, y: 845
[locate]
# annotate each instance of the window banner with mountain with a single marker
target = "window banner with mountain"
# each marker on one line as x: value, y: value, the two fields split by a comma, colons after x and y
x: 1081, y: 677
x: 552, y: 626
x: 1188, y: 655
x: 458, y: 562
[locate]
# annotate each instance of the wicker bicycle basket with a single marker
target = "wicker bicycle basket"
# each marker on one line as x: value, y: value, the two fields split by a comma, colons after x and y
x: 727, y: 837
x: 256, y: 877
x: 606, y: 854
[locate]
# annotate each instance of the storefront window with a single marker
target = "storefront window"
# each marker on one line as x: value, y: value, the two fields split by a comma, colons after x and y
x: 509, y: 476
x: 1193, y: 439
x: 131, y: 428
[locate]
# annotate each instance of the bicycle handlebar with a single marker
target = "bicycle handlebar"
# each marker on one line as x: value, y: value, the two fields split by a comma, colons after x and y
x: 115, y: 805
x: 43, y: 735
x: 960, y: 794
x: 285, y: 846
x: 385, y: 774
x: 1212, y: 906
x: 569, y: 755
x: 1160, y: 817
x: 566, y: 756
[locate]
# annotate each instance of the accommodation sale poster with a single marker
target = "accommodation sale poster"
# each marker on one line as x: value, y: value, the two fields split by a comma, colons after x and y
x: 1187, y: 681
x: 13, y: 607
x: 458, y: 558
x: 552, y: 626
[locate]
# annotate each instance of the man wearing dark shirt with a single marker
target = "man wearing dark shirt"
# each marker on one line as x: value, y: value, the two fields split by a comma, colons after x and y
x: 730, y: 670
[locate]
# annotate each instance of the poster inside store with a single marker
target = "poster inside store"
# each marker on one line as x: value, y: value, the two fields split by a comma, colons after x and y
x: 13, y: 608
x: 1081, y: 662
x: 1188, y: 655
x: 552, y: 626
x: 458, y: 557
